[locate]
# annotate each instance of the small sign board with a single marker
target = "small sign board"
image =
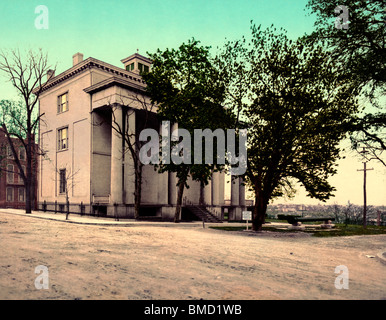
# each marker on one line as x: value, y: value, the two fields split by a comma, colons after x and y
x: 247, y: 215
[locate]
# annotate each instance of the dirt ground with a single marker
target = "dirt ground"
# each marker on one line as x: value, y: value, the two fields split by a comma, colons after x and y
x: 182, y: 262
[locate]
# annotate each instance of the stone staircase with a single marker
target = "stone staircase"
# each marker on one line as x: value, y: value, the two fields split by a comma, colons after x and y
x: 203, y: 214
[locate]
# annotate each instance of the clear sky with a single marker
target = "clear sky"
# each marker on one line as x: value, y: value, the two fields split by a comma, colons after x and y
x: 113, y: 30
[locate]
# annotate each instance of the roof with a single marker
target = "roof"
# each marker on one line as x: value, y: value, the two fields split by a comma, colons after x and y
x: 136, y: 56
x: 118, y: 73
x: 114, y: 80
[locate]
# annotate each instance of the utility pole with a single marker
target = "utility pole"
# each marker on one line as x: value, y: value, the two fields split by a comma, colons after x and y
x: 364, y: 184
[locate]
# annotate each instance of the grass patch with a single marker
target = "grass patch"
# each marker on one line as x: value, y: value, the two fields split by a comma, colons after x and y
x: 340, y: 230
x: 230, y: 228
x: 267, y: 228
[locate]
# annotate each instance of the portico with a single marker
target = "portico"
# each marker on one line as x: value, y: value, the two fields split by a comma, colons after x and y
x: 107, y: 109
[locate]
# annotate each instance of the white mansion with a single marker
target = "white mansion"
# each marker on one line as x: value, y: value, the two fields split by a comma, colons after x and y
x: 84, y: 152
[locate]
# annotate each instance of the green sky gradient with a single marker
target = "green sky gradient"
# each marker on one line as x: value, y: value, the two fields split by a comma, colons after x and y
x: 113, y: 30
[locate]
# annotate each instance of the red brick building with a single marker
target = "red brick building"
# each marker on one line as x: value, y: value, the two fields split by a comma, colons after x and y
x: 12, y: 189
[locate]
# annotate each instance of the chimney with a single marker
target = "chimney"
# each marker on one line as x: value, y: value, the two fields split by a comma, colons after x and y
x: 77, y: 58
x: 50, y: 74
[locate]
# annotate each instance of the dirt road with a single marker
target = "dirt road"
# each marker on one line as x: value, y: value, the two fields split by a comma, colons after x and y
x: 179, y: 262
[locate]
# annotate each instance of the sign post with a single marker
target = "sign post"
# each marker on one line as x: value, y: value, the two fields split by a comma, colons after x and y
x: 247, y: 215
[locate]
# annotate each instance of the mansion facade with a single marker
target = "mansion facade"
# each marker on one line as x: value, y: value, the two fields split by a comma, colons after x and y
x: 85, y: 159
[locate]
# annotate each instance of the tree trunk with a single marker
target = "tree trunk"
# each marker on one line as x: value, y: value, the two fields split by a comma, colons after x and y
x: 27, y: 197
x: 67, y: 203
x: 179, y: 201
x: 259, y: 212
x: 68, y: 209
x: 29, y: 176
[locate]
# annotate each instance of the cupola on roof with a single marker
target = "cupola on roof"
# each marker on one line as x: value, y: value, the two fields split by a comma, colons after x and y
x: 137, y: 63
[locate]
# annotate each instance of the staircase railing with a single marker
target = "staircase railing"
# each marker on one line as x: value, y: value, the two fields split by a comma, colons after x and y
x: 214, y: 211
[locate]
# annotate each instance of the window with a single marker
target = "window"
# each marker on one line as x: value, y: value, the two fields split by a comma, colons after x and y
x: 21, y: 153
x: 21, y: 194
x: 63, y: 103
x: 10, y: 173
x: 142, y: 68
x: 63, y: 139
x: 62, y: 181
x: 9, y: 194
x: 130, y: 67
x: 20, y: 175
x: 9, y: 152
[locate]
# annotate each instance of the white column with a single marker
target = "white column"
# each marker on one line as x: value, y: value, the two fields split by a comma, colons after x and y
x: 241, y: 193
x: 129, y: 175
x: 163, y: 183
x: 217, y: 186
x: 235, y: 192
x: 116, y: 190
x: 208, y: 193
x: 172, y: 177
x: 221, y: 191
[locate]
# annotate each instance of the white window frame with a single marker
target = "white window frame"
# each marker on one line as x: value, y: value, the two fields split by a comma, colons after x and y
x: 62, y: 184
x: 60, y: 104
x: 60, y: 139
x: 7, y: 195
x: 20, y: 179
x: 22, y: 151
x: 23, y: 194
x: 9, y: 152
x: 10, y: 173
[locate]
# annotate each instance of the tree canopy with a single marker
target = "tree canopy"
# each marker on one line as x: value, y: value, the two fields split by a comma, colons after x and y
x: 185, y: 85
x: 297, y: 107
x: 360, y: 50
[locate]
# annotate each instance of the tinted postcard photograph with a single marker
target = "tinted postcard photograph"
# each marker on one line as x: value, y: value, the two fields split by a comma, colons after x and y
x: 193, y: 158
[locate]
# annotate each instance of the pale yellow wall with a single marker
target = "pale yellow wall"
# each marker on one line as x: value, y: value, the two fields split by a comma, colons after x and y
x: 46, y: 190
x: 193, y: 193
x: 77, y: 157
x: 101, y: 156
x: 90, y: 159
x: 150, y: 186
x: 98, y: 76
x: 118, y: 95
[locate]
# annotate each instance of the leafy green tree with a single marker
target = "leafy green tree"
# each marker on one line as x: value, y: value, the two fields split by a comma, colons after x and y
x: 297, y: 108
x: 360, y: 49
x: 20, y: 120
x: 185, y: 85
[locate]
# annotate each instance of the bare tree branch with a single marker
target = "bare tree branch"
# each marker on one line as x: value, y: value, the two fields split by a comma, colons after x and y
x: 26, y: 73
